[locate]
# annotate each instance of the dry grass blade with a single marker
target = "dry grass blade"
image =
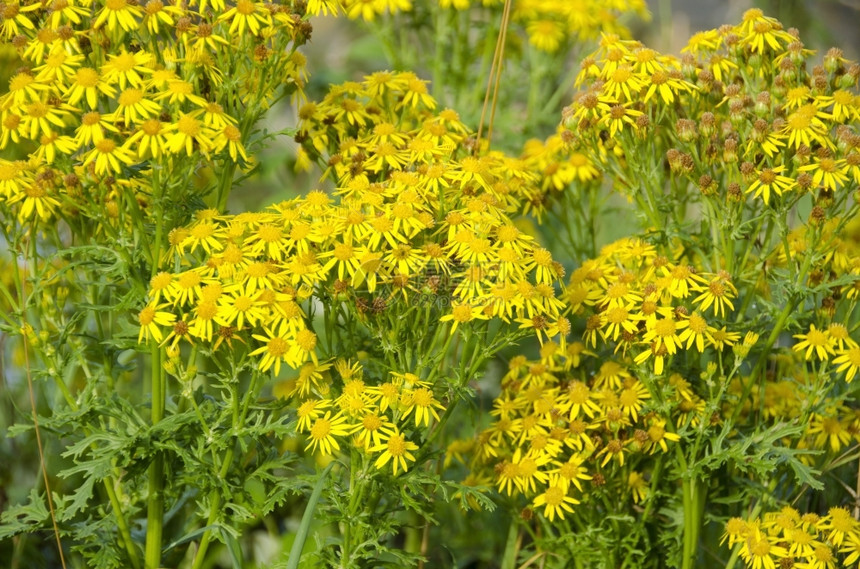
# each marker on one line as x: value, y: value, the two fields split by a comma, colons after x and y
x: 494, y: 78
x: 43, y: 465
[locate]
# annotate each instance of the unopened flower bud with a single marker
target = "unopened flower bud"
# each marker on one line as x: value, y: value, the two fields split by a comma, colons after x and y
x: 833, y: 60
x: 762, y: 104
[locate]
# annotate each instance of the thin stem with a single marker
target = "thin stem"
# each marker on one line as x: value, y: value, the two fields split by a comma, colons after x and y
x: 155, y: 499
x: 25, y: 341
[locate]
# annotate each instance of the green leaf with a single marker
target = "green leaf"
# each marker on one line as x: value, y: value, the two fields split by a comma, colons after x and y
x: 24, y: 518
x: 233, y: 547
x: 302, y: 534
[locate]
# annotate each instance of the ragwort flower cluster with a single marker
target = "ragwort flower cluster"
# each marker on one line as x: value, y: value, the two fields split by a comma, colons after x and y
x: 108, y: 89
x: 790, y: 538
x: 417, y: 229
x: 569, y: 423
x: 757, y: 139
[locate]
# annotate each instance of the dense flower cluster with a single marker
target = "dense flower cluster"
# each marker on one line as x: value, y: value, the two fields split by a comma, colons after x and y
x: 414, y: 218
x: 747, y: 129
x: 788, y: 538
x: 110, y: 88
x: 657, y: 335
x: 381, y: 419
x: 634, y: 300
x: 556, y: 427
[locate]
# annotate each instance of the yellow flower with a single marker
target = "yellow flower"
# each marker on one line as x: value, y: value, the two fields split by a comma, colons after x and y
x: 247, y: 13
x: 37, y: 199
x: 462, y: 313
x: 805, y: 126
x: 623, y: 81
x: 108, y: 157
x: 186, y: 131
x: 396, y: 449
x: 697, y: 331
x: 157, y: 14
x: 371, y: 429
x: 829, y: 430
x: 150, y: 138
x: 93, y: 127
x: 133, y: 106
x: 150, y: 318
x: 555, y: 500
x: 849, y: 362
x: 816, y: 341
x: 275, y: 350
x: 123, y: 69
x: 546, y: 35
x: 422, y: 403
x: 760, y: 551
x: 658, y: 435
x: 88, y: 84
x: 759, y: 30
x: 638, y: 486
x: 771, y: 179
x: 618, y: 116
x: 827, y: 172
x: 309, y: 411
x: 43, y: 118
x: 722, y: 338
x: 230, y: 137
x: 118, y: 13
x: 323, y: 432
x: 718, y: 292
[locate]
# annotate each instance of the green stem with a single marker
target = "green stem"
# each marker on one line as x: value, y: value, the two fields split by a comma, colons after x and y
x: 155, y: 486
x: 121, y: 523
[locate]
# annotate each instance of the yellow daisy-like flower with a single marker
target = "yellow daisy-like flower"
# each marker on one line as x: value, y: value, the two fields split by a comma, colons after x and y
x: 275, y: 350
x: 658, y: 436
x: 638, y: 486
x: 422, y: 403
x: 118, y: 13
x: 150, y: 318
x: 827, y: 172
x: 760, y: 551
x: 309, y: 411
x: 623, y: 81
x: 133, y: 106
x: 555, y: 500
x: 462, y: 313
x: 759, y: 31
x: 718, y: 292
x: 545, y: 34
x: 618, y: 116
x: 36, y: 198
x: 849, y: 362
x: 323, y: 432
x: 150, y: 138
x: 814, y: 341
x: 125, y: 68
x: 770, y: 179
x: 88, y: 84
x: 186, y: 131
x: 247, y: 14
x: 108, y: 157
x: 697, y: 332
x: 371, y: 429
x: 396, y: 449
x: 805, y: 126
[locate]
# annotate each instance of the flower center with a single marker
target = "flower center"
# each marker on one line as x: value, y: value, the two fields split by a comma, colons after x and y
x: 396, y: 446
